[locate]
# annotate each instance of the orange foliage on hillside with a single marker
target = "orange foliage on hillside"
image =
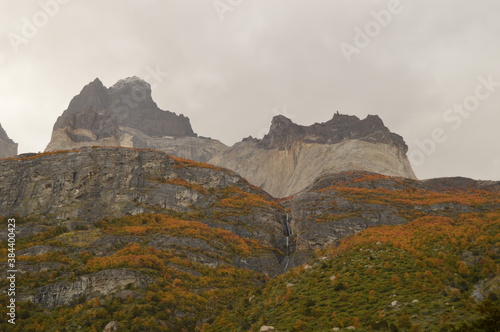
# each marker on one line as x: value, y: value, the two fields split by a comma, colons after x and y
x: 235, y: 198
x: 477, y: 231
x: 181, y: 182
x: 183, y: 162
x: 412, y: 197
x: 157, y: 223
x: 132, y: 256
x: 43, y: 154
x: 365, y: 177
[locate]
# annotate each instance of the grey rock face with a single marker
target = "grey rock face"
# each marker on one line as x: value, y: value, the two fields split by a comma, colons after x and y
x: 323, y: 213
x: 290, y: 157
x: 7, y: 146
x: 284, y: 133
x: 111, y: 182
x: 91, y: 183
x: 37, y: 250
x: 100, y: 283
x: 461, y: 184
x: 128, y: 103
x: 486, y: 288
x: 341, y: 219
x: 126, y: 115
x: 111, y: 327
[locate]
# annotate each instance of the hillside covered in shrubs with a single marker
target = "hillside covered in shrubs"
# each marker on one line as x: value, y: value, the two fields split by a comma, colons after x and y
x: 167, y: 244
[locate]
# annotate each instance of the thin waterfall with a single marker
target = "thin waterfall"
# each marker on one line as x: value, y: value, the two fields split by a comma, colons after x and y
x: 288, y: 233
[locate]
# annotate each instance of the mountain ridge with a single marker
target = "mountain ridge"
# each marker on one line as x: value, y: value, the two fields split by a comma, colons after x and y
x: 126, y: 115
x: 283, y: 132
x: 289, y: 158
x: 8, y: 147
x: 285, y: 161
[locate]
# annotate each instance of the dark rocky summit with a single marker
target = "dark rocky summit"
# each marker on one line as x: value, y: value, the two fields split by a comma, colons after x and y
x: 128, y: 103
x: 7, y: 146
x: 284, y: 133
x: 126, y: 115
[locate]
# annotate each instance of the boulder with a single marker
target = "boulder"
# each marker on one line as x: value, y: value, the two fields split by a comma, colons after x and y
x: 111, y: 327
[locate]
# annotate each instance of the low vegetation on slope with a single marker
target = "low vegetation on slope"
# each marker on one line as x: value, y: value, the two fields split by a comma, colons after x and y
x: 426, y: 275
x: 340, y: 205
x: 406, y: 256
x: 428, y: 268
x: 188, y: 267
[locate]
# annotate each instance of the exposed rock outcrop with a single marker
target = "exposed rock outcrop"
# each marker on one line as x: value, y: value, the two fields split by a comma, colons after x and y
x: 336, y: 206
x: 7, y: 146
x: 98, y: 284
x: 126, y: 115
x: 290, y: 157
x: 94, y: 183
x: 111, y: 327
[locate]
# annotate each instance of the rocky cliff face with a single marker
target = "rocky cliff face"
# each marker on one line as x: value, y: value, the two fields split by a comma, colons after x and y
x: 446, y: 229
x: 290, y: 157
x: 103, y: 283
x: 336, y: 206
x: 7, y: 146
x: 94, y: 183
x: 126, y: 115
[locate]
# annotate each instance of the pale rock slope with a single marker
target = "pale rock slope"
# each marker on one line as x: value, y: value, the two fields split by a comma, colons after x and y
x: 290, y: 157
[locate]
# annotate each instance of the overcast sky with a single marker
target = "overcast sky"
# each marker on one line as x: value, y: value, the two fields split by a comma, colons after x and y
x: 429, y: 69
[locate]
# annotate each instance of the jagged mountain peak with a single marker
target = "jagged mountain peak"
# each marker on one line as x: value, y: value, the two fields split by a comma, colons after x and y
x: 126, y: 115
x: 97, y: 81
x: 131, y: 94
x: 280, y: 123
x: 281, y: 119
x: 133, y: 85
x: 339, y: 117
x: 8, y: 147
x: 93, y: 95
x: 283, y: 132
x: 4, y: 136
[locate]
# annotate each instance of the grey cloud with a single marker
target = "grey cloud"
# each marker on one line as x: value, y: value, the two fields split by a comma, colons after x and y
x: 231, y: 76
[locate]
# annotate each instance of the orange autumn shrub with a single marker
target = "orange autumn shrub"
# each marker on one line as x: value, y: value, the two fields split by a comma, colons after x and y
x: 181, y: 182
x: 144, y: 224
